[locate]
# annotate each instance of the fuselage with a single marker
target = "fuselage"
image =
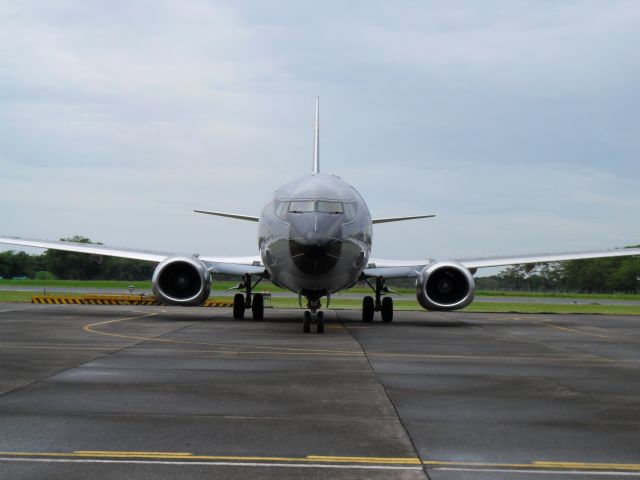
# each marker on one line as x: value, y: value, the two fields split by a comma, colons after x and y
x: 315, y: 235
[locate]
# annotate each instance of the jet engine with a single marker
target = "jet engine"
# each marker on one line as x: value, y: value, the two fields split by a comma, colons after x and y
x: 181, y: 281
x: 445, y: 286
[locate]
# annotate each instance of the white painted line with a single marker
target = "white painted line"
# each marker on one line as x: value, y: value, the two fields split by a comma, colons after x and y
x: 14, y: 310
x: 210, y: 464
x: 541, y: 472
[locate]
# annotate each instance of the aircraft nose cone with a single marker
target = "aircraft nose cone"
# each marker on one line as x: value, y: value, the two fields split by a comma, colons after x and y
x: 316, y: 239
x: 315, y: 259
x: 315, y: 242
x: 315, y: 229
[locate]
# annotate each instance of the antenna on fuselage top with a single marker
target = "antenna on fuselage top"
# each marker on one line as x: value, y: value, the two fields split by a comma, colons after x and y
x: 316, y: 140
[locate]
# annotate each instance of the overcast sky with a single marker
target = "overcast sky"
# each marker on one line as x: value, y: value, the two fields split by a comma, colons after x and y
x: 516, y: 122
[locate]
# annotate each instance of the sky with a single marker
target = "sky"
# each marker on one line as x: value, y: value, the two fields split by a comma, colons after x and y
x: 516, y: 122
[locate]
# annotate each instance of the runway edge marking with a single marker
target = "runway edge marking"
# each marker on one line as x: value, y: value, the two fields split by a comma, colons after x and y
x: 190, y: 458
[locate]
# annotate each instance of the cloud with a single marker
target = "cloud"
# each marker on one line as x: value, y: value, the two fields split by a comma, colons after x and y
x: 515, y: 121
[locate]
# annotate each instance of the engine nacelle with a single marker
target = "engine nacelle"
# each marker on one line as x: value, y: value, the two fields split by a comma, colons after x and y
x: 181, y: 281
x: 445, y: 286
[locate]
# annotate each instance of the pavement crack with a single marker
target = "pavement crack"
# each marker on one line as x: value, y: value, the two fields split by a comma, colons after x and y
x: 386, y: 392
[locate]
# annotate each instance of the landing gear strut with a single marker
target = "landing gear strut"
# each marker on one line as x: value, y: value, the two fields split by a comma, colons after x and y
x: 382, y: 305
x: 242, y: 302
x: 313, y: 315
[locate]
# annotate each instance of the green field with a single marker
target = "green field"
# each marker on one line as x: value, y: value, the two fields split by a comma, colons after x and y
x: 407, y: 302
x: 269, y: 287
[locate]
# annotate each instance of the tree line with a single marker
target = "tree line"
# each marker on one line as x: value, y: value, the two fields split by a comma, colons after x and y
x: 601, y: 275
x: 55, y: 264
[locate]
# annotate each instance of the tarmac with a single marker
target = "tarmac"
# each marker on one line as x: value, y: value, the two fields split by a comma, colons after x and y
x: 163, y: 393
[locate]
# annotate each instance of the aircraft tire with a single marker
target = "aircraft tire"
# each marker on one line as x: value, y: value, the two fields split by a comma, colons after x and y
x: 368, y: 309
x: 386, y: 309
x: 257, y: 307
x: 320, y: 322
x: 306, y: 322
x: 238, y: 306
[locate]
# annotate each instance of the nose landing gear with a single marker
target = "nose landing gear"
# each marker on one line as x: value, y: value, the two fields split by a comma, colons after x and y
x: 313, y: 315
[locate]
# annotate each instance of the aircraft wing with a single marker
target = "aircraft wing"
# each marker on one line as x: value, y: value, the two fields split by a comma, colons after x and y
x: 225, y: 265
x: 545, y: 258
x: 412, y: 268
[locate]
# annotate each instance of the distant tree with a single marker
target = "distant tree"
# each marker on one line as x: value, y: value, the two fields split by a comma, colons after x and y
x: 71, y: 265
x: 44, y: 275
x: 600, y: 275
x: 114, y: 268
x: 18, y: 264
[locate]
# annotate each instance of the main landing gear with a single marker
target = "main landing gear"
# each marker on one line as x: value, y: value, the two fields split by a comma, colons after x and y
x: 382, y: 305
x: 247, y: 300
x: 313, y: 315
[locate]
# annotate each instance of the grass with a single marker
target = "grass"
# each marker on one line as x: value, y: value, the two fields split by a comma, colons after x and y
x: 595, y: 296
x: 220, y: 287
x: 20, y: 297
x: 337, y: 302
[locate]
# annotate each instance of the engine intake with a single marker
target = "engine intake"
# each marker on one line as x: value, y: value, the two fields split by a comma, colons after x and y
x: 181, y: 281
x: 445, y: 286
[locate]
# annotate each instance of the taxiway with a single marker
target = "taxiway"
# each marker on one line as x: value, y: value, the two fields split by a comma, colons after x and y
x: 155, y: 392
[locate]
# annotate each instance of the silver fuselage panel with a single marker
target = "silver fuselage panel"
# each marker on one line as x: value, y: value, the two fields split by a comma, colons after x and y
x: 315, y: 235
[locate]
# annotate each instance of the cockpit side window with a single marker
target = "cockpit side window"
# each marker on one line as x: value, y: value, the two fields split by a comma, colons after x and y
x: 302, y: 206
x: 281, y: 209
x: 350, y: 212
x: 329, y: 207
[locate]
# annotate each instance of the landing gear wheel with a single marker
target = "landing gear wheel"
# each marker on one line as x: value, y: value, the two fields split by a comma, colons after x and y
x: 368, y: 309
x: 320, y: 322
x: 257, y: 307
x: 238, y: 306
x: 306, y: 322
x: 386, y: 310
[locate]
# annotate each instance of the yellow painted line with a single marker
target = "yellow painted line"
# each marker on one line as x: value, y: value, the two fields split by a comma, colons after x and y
x: 539, y: 465
x: 257, y: 349
x: 572, y: 330
x: 229, y: 458
x: 230, y: 351
x: 387, y: 460
x: 327, y: 459
x: 110, y: 452
x: 281, y: 350
x: 91, y: 328
x: 487, y: 357
x: 53, y: 347
x: 591, y: 466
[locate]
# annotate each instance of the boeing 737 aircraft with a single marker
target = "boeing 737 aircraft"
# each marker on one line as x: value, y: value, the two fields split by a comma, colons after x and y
x: 315, y: 236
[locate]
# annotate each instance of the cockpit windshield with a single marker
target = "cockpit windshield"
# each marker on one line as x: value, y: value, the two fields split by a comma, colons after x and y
x: 329, y: 207
x: 302, y: 206
x: 321, y: 206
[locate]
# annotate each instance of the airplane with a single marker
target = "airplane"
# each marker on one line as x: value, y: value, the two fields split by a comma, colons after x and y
x: 314, y: 239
